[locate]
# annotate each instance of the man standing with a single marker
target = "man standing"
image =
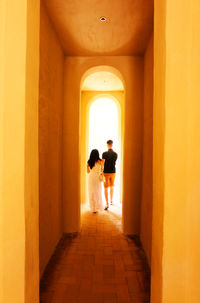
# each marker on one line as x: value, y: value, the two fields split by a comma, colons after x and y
x: 110, y: 158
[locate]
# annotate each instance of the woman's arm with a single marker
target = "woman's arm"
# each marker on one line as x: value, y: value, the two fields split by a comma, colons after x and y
x: 102, y: 163
x: 88, y: 168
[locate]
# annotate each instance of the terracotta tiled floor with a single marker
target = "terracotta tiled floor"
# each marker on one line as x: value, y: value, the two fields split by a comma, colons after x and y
x: 99, y: 265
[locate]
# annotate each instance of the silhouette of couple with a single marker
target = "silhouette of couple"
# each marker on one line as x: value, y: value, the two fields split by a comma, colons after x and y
x: 101, y: 170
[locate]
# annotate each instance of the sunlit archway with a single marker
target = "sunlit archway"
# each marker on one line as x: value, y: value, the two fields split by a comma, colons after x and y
x: 104, y: 124
x: 102, y: 118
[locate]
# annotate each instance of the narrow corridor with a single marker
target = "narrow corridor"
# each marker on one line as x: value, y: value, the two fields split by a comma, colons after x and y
x: 99, y: 265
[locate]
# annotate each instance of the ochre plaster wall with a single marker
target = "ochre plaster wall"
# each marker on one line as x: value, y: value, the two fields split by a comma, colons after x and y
x: 19, y: 61
x: 50, y: 138
x: 158, y: 150
x: 147, y: 171
x: 31, y: 193
x: 131, y: 69
x: 87, y: 98
x: 175, y: 259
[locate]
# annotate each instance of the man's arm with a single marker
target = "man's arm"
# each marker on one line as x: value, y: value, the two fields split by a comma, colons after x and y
x: 88, y: 168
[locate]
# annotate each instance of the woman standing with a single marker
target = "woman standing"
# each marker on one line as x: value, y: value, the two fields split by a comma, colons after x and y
x: 95, y: 168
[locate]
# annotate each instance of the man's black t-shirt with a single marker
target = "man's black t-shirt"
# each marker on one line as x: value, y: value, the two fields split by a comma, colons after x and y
x: 110, y: 159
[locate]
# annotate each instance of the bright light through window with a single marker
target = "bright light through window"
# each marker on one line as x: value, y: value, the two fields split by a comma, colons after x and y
x: 104, y: 125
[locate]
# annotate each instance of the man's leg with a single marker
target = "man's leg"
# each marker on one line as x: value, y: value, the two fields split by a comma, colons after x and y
x: 111, y: 194
x: 106, y: 195
x: 106, y: 185
x: 112, y: 181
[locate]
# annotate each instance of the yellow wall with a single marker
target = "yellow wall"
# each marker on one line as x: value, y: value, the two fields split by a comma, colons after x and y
x: 147, y: 171
x: 87, y: 98
x: 31, y: 154
x: 131, y: 69
x: 50, y: 138
x: 19, y: 60
x: 158, y: 151
x: 175, y: 254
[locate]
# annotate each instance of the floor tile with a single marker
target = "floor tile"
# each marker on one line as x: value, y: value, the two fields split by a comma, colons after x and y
x: 99, y: 265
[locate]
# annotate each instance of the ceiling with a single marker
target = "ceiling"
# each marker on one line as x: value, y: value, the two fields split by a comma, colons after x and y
x: 102, y: 81
x: 125, y: 32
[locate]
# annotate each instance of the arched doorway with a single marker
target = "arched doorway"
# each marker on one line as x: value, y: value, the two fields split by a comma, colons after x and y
x: 104, y: 124
x: 102, y: 107
x: 77, y: 99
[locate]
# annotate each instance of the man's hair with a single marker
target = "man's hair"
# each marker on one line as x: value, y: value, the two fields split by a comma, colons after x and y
x: 110, y: 142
